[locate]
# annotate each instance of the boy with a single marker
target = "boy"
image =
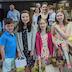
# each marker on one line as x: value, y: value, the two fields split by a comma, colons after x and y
x: 8, y: 46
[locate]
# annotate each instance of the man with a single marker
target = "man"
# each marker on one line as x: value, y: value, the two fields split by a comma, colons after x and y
x: 14, y: 15
x: 51, y: 17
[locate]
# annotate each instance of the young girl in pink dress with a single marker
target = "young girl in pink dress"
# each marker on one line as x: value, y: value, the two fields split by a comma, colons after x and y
x: 44, y: 46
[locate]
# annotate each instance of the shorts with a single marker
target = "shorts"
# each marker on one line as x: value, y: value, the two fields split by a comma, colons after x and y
x: 8, y: 64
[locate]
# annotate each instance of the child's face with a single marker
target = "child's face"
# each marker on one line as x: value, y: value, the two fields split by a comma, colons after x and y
x: 25, y: 18
x: 43, y: 25
x: 60, y: 17
x: 10, y: 27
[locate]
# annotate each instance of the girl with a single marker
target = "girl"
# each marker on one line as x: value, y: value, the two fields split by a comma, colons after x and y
x: 60, y: 35
x: 25, y: 39
x: 44, y: 46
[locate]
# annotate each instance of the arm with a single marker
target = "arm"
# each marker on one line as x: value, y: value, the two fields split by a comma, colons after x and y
x: 62, y: 34
x: 53, y: 36
x: 33, y: 39
x: 69, y: 29
x: 65, y: 36
x: 8, y: 16
x: 2, y: 45
x: 18, y: 15
x: 18, y: 45
x: 2, y: 52
x: 17, y: 36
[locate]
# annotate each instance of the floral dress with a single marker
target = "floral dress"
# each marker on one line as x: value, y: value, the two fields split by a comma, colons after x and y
x: 44, y: 50
x: 61, y: 43
x: 47, y: 67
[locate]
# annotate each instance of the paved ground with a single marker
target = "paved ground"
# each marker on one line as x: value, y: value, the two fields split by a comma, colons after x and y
x: 65, y: 69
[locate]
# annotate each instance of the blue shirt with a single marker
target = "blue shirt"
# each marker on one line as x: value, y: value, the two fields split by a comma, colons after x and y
x: 15, y: 15
x: 34, y: 19
x: 9, y: 42
x: 51, y: 18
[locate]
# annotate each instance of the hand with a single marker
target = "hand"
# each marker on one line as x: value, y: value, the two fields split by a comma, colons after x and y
x: 46, y: 58
x: 39, y: 59
x: 19, y: 54
x: 3, y: 59
x: 31, y: 53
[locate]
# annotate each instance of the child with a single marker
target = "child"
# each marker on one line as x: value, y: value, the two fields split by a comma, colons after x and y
x: 60, y: 35
x: 44, y: 46
x: 26, y: 39
x: 8, y: 46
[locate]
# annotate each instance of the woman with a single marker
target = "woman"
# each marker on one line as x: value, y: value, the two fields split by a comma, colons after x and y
x: 44, y: 12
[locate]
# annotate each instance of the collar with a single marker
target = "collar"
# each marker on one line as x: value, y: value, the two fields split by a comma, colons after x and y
x: 9, y: 33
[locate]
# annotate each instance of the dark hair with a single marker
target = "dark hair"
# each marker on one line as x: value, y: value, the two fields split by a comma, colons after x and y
x: 21, y: 24
x: 51, y: 7
x: 47, y: 28
x: 36, y: 8
x: 65, y: 22
x: 8, y: 21
x: 44, y: 3
x: 12, y: 5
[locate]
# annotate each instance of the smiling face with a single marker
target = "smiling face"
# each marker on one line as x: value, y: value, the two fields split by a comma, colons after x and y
x: 60, y: 17
x: 25, y: 18
x: 10, y: 27
x: 44, y: 8
x: 42, y: 25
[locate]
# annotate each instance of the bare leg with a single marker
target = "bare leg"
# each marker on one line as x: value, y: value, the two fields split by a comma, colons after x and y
x: 66, y: 50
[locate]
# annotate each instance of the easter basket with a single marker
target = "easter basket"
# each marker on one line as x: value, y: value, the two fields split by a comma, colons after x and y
x: 20, y: 64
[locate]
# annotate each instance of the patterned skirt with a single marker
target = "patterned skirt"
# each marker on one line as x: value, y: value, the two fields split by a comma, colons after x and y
x: 30, y: 60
